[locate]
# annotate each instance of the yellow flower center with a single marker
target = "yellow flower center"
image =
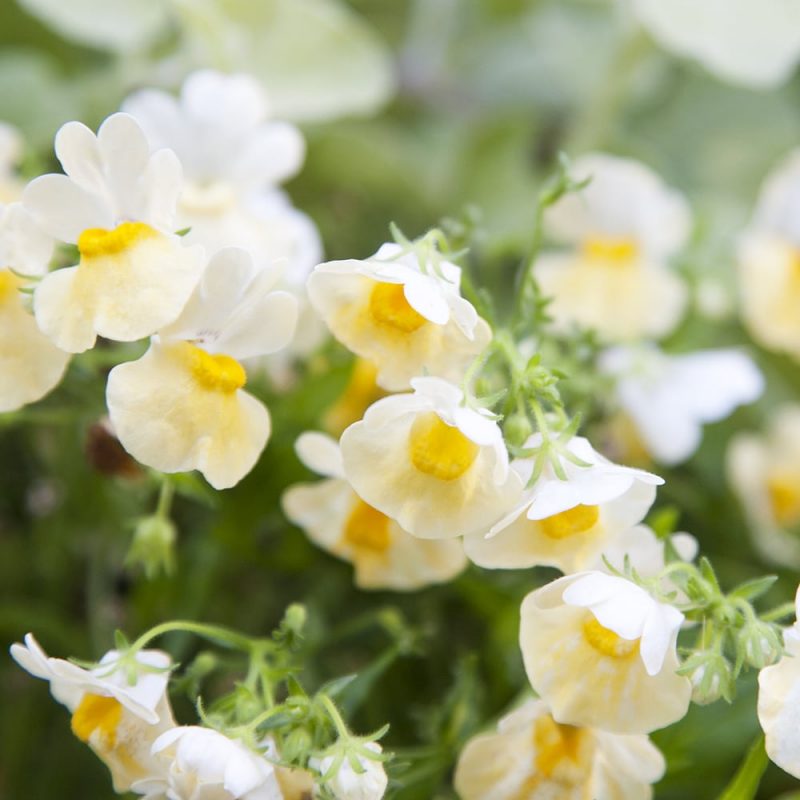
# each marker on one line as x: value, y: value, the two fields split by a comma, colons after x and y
x: 570, y: 522
x: 607, y: 642
x: 94, y: 242
x: 555, y: 743
x: 439, y: 449
x: 388, y: 306
x: 94, y: 713
x: 361, y: 392
x: 784, y: 497
x: 610, y: 250
x: 216, y: 372
x: 8, y: 284
x: 367, y: 529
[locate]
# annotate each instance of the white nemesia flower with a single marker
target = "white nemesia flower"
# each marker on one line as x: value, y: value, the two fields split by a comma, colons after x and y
x: 769, y: 261
x: 566, y: 523
x: 117, y: 203
x: 764, y: 470
x: 348, y: 784
x: 753, y: 43
x: 203, y: 764
x: 30, y: 363
x: 405, y: 316
x: 624, y: 227
x: 532, y: 756
x: 779, y: 702
x: 669, y: 398
x: 181, y: 405
x: 117, y: 718
x: 601, y: 652
x: 438, y: 468
x: 384, y: 555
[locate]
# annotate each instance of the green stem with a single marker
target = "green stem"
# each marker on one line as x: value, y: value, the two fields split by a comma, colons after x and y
x: 336, y: 717
x: 165, y: 497
x: 214, y: 633
x: 744, y: 784
x: 779, y: 612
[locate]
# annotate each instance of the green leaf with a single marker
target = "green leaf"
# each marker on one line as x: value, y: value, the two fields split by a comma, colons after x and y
x: 747, y: 778
x: 749, y: 590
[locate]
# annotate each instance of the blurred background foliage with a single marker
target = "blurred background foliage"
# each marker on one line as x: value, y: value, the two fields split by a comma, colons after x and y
x: 414, y: 110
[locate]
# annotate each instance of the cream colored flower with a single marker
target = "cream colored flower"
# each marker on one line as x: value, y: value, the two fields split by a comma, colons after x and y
x: 424, y: 459
x: 181, y: 406
x: 568, y: 523
x: 765, y: 473
x: 769, y: 262
x: 203, y: 764
x: 623, y: 228
x: 669, y: 398
x: 117, y: 203
x: 754, y: 43
x: 533, y: 757
x: 402, y: 310
x: 779, y: 702
x: 337, y: 519
x: 361, y: 392
x: 601, y: 652
x: 369, y: 782
x: 118, y: 719
x: 30, y: 363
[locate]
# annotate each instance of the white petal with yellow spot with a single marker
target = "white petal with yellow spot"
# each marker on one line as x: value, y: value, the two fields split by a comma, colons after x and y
x: 438, y: 468
x: 407, y: 317
x: 601, y: 652
x: 384, y: 555
x: 533, y: 757
x: 623, y: 227
x: 181, y: 406
x: 118, y: 719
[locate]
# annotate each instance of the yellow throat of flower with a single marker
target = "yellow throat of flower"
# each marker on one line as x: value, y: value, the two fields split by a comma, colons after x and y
x: 579, y: 519
x: 555, y: 743
x: 784, y: 497
x: 606, y: 641
x: 9, y: 283
x: 97, y: 242
x: 367, y: 529
x: 619, y: 251
x: 440, y: 450
x: 361, y: 392
x: 97, y: 713
x: 388, y: 306
x: 216, y: 372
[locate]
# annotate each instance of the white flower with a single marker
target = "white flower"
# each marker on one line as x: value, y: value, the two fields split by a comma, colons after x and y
x: 336, y: 518
x: 117, y: 717
x: 202, y: 764
x: 30, y: 363
x: 624, y: 227
x: 566, y: 523
x: 765, y: 472
x: 669, y: 398
x: 368, y: 783
x: 644, y: 551
x: 769, y: 262
x: 601, y: 652
x: 436, y: 467
x: 754, y: 43
x: 402, y: 311
x: 779, y: 702
x: 117, y: 203
x: 181, y: 406
x: 532, y: 756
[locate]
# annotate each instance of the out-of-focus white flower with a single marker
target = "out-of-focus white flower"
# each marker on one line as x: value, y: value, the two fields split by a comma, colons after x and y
x: 30, y: 363
x: 754, y: 43
x: 438, y: 468
x: 181, y: 406
x: 117, y: 716
x: 769, y: 261
x: 566, y: 523
x: 203, y: 764
x: 669, y: 398
x: 644, y: 551
x: 361, y: 392
x: 779, y: 702
x: 369, y: 782
x: 765, y: 472
x: 601, y: 652
x: 624, y: 227
x: 336, y: 518
x: 117, y: 203
x: 534, y: 757
x: 402, y: 310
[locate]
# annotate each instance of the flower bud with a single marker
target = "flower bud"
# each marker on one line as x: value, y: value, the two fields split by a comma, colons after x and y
x: 710, y: 674
x: 297, y: 744
x: 760, y: 644
x: 153, y: 546
x: 516, y: 429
